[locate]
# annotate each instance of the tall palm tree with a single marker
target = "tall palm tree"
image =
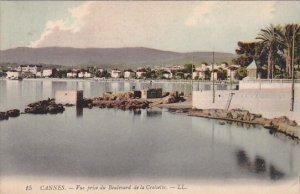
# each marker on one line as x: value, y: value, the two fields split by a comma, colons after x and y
x: 270, y: 40
x: 288, y: 33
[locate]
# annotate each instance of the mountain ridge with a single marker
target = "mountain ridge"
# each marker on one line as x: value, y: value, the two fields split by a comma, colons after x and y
x: 69, y: 56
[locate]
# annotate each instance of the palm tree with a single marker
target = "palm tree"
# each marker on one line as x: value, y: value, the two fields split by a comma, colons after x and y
x: 289, y: 32
x: 270, y: 40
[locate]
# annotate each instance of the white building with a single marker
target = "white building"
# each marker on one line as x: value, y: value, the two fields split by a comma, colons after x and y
x: 72, y: 74
x: 39, y: 74
x: 167, y: 75
x: 199, y: 74
x: 173, y: 68
x: 100, y: 70
x: 80, y: 74
x: 29, y: 68
x: 140, y: 74
x: 231, y: 72
x: 214, y: 75
x: 116, y: 73
x: 87, y: 75
x: 128, y: 74
x: 47, y: 72
x: 13, y: 74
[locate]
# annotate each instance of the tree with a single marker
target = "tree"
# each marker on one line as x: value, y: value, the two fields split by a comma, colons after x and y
x: 270, y: 39
x: 241, y: 72
x: 188, y: 68
x: 179, y: 75
x: 222, y: 74
x: 249, y: 51
x: 287, y: 34
x: 60, y: 74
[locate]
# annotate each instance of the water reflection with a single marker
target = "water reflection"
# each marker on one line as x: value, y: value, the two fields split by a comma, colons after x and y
x: 154, y: 113
x: 275, y: 174
x: 258, y: 166
x: 137, y: 111
x: 243, y: 160
x: 17, y: 91
x: 79, y: 111
x: 141, y: 143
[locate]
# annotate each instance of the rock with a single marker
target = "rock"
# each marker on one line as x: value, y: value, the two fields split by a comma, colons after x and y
x: 13, y: 113
x: 54, y: 109
x: 69, y: 105
x: 268, y: 124
x: 90, y: 105
x: 234, y: 115
x: 169, y: 99
x: 165, y: 94
x: 246, y: 116
x: 292, y: 123
x: 229, y: 115
x: 44, y: 107
x: 38, y: 109
x: 109, y: 105
x: 182, y: 110
x: 221, y: 122
x: 3, y: 116
x: 252, y: 117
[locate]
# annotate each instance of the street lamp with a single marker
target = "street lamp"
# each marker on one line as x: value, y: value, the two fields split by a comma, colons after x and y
x: 293, y: 76
x: 213, y: 67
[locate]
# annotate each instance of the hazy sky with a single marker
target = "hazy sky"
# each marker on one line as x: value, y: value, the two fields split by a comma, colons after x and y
x: 175, y: 26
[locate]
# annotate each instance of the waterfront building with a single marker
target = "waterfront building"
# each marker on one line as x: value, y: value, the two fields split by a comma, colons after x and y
x: 199, y: 74
x: 48, y: 72
x: 87, y: 74
x: 100, y: 70
x: 29, y: 68
x: 214, y: 75
x: 140, y: 74
x: 116, y: 73
x: 231, y: 72
x: 253, y: 71
x: 72, y: 74
x: 13, y: 74
x: 80, y: 74
x: 39, y: 74
x: 173, y: 68
x: 167, y: 75
x: 128, y: 74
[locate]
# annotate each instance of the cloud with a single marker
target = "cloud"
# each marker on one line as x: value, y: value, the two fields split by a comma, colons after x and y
x: 178, y: 26
x: 112, y: 24
x: 200, y: 13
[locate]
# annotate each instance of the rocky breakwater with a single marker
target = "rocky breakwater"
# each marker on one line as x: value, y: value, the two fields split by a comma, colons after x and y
x: 123, y: 101
x: 279, y: 124
x: 169, y: 98
x: 44, y: 107
x: 10, y: 113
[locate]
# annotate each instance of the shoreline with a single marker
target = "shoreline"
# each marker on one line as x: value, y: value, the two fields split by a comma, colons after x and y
x: 173, y: 101
x: 125, y: 80
x: 279, y: 124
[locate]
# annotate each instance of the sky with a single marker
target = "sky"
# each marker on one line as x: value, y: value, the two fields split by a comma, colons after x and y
x: 181, y: 26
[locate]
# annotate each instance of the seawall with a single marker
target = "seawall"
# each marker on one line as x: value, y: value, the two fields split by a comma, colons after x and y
x: 267, y: 100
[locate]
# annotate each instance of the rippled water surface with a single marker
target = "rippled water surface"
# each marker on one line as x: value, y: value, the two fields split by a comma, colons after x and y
x: 102, y: 143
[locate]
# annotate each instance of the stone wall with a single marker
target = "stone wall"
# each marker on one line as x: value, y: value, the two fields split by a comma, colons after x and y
x: 68, y: 96
x: 267, y: 84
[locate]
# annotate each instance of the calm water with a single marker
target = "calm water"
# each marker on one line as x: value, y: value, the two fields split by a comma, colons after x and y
x: 154, y: 144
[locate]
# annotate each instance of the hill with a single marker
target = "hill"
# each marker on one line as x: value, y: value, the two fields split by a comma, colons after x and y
x: 135, y: 56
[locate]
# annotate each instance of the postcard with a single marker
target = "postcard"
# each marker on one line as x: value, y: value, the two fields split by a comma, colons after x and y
x: 149, y: 97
